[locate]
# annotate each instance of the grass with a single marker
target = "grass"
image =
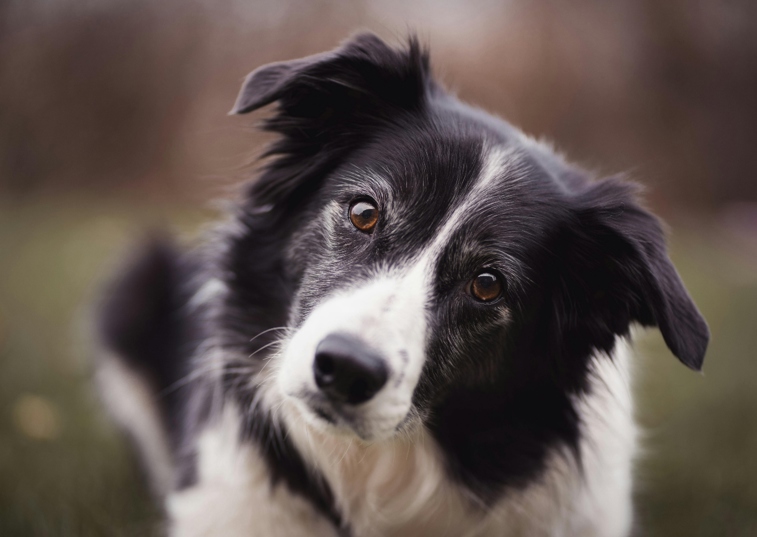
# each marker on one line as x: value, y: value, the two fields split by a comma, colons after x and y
x: 64, y: 470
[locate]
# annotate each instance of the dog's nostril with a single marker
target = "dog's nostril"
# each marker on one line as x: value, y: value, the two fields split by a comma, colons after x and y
x: 347, y: 371
x: 324, y: 364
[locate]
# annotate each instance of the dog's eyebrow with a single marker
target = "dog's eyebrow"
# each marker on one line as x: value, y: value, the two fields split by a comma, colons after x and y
x: 365, y: 182
x: 361, y: 177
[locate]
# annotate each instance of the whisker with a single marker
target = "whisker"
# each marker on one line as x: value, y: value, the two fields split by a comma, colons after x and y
x: 269, y: 330
x: 265, y: 347
x: 203, y: 370
x: 191, y: 376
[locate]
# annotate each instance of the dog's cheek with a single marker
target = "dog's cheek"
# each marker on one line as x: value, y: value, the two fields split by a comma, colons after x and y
x: 293, y: 374
x: 307, y: 257
x: 463, y: 352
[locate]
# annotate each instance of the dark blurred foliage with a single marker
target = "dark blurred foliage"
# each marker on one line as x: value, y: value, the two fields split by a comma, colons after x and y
x: 132, y: 94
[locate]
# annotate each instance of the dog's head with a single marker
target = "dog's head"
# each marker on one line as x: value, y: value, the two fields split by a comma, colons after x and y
x: 424, y: 254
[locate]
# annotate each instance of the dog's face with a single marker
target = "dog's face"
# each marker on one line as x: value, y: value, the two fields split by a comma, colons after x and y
x: 433, y: 257
x: 408, y: 261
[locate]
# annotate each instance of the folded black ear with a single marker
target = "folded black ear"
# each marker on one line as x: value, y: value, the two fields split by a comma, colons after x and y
x: 267, y: 83
x: 365, y: 66
x: 620, y: 272
x: 331, y: 103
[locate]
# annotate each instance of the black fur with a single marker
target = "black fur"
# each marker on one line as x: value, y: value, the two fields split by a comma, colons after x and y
x: 143, y: 319
x: 146, y: 318
x: 582, y: 261
x: 285, y: 462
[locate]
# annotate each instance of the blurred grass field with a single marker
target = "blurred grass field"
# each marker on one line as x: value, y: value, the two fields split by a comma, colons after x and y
x: 64, y: 470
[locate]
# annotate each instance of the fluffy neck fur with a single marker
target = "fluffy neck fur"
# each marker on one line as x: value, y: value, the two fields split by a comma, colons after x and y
x: 403, y: 487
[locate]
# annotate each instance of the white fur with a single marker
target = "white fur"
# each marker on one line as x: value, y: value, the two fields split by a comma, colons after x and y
x: 233, y: 495
x: 212, y: 289
x: 131, y: 403
x: 399, y: 487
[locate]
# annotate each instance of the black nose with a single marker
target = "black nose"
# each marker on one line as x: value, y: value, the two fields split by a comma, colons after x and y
x: 346, y: 371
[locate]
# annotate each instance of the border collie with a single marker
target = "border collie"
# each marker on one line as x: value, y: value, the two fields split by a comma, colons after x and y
x: 415, y: 322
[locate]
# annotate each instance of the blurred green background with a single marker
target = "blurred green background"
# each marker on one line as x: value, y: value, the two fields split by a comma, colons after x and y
x: 113, y: 122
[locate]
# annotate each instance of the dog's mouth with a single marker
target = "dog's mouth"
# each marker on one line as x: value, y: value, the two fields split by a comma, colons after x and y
x: 324, y: 414
x: 345, y: 420
x: 330, y: 416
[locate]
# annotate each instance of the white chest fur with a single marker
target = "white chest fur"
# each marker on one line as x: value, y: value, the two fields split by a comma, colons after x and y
x: 400, y: 488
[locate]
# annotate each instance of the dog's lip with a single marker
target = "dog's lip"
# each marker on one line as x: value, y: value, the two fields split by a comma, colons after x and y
x: 328, y: 412
x: 336, y: 418
x: 325, y: 411
x: 323, y: 414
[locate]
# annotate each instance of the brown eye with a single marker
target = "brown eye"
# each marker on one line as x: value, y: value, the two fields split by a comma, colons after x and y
x: 486, y: 287
x: 364, y: 215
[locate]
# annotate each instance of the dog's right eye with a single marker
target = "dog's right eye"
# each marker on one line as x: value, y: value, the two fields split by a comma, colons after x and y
x: 364, y: 215
x: 486, y: 286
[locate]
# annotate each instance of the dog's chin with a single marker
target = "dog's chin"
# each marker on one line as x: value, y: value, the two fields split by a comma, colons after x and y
x: 328, y: 420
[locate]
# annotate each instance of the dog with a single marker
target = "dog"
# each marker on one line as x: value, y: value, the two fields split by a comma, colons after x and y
x: 416, y: 321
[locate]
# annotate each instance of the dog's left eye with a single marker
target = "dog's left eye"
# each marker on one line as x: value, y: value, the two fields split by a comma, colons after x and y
x: 486, y: 286
x: 364, y: 215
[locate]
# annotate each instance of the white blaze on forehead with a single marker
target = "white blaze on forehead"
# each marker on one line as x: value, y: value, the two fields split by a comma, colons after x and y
x: 496, y: 162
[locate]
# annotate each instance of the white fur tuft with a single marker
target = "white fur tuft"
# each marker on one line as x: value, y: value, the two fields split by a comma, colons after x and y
x: 130, y: 401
